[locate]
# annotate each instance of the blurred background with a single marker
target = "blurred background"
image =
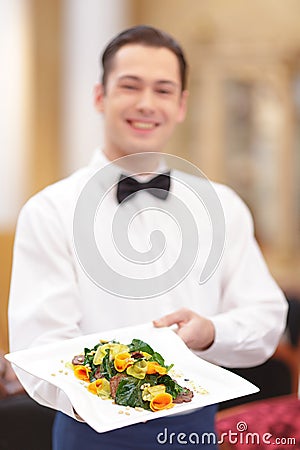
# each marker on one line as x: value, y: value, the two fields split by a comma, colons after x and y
x: 243, y: 125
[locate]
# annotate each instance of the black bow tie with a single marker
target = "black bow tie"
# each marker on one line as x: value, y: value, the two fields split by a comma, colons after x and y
x: 159, y: 186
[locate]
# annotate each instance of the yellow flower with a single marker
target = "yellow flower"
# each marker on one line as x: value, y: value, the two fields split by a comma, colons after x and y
x: 149, y: 392
x: 100, y: 387
x: 138, y: 369
x: 146, y: 355
x: 114, y: 348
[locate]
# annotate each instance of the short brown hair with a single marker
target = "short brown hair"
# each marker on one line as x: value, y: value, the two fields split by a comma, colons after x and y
x: 145, y: 35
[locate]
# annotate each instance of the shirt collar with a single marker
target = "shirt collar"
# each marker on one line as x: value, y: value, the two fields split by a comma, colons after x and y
x: 99, y: 160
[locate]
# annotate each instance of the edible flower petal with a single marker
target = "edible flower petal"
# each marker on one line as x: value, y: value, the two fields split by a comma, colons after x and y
x: 161, y: 401
x: 149, y: 392
x: 100, y: 387
x: 153, y: 367
x: 138, y: 370
x: 114, y: 348
x: 100, y: 354
x: 146, y: 355
x: 117, y: 348
x: 122, y: 361
x: 82, y: 372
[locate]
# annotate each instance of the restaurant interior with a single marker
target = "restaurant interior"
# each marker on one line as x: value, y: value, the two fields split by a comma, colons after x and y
x: 242, y: 129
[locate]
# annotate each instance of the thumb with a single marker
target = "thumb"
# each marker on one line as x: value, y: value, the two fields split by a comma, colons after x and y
x: 177, y: 317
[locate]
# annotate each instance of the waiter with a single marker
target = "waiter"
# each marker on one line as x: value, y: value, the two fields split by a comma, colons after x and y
x: 64, y: 286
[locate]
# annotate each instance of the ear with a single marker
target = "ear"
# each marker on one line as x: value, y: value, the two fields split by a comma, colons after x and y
x: 182, y: 106
x: 99, y: 97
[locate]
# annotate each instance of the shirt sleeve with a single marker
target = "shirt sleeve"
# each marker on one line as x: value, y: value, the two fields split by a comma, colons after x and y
x: 44, y: 296
x: 253, y: 309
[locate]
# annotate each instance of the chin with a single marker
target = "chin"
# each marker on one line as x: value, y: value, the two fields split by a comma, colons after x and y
x: 142, y: 149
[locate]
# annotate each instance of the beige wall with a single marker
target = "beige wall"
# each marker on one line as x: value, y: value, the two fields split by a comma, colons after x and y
x: 56, y: 80
x: 38, y: 129
x: 6, y: 244
x: 256, y: 44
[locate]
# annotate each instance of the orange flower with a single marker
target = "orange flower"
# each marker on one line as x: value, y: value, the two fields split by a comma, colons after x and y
x: 161, y: 401
x: 82, y: 372
x: 122, y: 361
x: 97, y: 384
x: 154, y: 367
x: 100, y: 387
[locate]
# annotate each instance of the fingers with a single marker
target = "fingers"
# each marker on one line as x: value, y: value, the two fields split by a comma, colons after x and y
x: 197, y: 332
x: 177, y: 317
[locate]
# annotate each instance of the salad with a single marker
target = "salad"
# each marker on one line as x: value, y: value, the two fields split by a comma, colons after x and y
x: 132, y: 375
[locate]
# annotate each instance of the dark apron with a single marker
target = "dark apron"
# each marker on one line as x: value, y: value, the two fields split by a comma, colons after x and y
x: 188, y: 431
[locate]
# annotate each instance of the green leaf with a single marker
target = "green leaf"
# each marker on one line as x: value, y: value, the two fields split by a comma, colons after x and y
x: 89, y: 356
x: 158, y: 358
x: 151, y: 379
x: 129, y: 393
x: 107, y: 367
x: 172, y: 387
x: 140, y: 346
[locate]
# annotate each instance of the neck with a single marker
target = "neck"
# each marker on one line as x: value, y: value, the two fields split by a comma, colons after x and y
x: 137, y: 163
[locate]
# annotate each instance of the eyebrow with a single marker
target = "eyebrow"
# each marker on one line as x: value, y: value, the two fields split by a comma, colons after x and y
x: 135, y: 78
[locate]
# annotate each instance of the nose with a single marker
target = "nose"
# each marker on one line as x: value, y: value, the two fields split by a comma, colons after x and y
x: 146, y: 102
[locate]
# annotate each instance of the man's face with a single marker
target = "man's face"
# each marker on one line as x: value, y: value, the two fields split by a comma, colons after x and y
x: 142, y: 102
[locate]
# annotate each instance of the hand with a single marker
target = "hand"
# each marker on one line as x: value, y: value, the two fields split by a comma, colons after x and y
x: 9, y: 384
x: 196, y: 331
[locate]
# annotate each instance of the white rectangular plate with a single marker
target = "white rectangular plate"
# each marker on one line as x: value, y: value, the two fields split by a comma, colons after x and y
x: 48, y: 363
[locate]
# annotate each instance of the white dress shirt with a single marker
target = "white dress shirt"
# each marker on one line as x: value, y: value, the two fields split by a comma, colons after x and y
x: 52, y: 297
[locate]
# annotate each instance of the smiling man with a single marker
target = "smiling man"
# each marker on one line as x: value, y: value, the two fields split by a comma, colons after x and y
x: 235, y: 318
x: 142, y: 100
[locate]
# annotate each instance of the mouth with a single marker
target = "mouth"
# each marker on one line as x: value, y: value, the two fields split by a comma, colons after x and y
x: 142, y: 125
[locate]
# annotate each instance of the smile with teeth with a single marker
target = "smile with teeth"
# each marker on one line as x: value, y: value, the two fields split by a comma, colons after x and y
x: 143, y: 125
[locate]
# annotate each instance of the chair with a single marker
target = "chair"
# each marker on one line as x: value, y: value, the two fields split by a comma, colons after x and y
x: 272, y: 423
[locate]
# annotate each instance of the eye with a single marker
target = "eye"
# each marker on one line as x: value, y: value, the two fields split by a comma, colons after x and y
x: 164, y: 91
x: 130, y: 87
